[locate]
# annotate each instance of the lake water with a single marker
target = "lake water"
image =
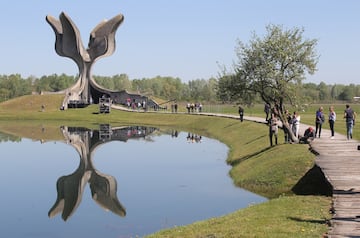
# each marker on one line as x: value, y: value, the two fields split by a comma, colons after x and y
x: 114, y: 182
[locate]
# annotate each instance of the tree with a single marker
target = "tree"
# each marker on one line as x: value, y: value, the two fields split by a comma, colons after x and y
x: 222, y: 92
x: 324, y: 92
x: 348, y: 93
x: 274, y: 67
x: 121, y: 82
x: 310, y: 93
x: 209, y: 90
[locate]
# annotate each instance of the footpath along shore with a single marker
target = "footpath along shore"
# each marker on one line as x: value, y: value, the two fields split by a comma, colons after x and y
x: 339, y: 159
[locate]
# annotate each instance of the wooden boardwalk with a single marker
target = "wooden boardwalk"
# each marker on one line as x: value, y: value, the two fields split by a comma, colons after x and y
x: 339, y: 159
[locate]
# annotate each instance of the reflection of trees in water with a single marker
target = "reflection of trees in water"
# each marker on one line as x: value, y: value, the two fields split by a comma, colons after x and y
x: 191, y: 137
x: 103, y: 187
x: 7, y: 137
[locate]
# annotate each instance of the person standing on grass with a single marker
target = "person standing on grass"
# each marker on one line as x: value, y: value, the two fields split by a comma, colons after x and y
x: 267, y: 109
x: 273, y: 129
x: 286, y: 131
x: 296, y: 124
x: 332, y: 119
x: 349, y: 116
x: 319, y: 120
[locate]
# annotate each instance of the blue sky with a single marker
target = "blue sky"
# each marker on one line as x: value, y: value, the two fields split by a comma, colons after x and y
x: 188, y: 39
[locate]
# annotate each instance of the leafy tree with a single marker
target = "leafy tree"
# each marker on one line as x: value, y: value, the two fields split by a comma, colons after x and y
x: 53, y: 83
x: 222, y: 92
x: 310, y: 92
x: 194, y: 86
x: 14, y: 86
x: 274, y: 67
x: 105, y: 82
x: 357, y: 90
x: 4, y: 94
x: 209, y: 90
x: 121, y: 82
x: 334, y: 91
x: 348, y: 93
x: 324, y: 91
x: 170, y: 87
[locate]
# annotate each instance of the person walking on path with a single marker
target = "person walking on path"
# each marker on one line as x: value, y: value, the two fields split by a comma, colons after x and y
x: 267, y: 108
x: 273, y: 129
x: 332, y: 119
x: 241, y: 113
x: 349, y: 116
x: 319, y: 120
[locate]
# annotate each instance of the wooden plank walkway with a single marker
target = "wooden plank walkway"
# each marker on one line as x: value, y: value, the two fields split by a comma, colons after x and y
x: 339, y: 159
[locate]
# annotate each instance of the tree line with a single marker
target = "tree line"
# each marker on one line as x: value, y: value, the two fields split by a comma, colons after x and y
x: 269, y: 69
x: 167, y: 88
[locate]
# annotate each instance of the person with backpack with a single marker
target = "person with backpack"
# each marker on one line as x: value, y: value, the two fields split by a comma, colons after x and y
x: 319, y: 120
x: 349, y: 116
x: 267, y: 109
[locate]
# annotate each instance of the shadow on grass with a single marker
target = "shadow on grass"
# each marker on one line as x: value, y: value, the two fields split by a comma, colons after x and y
x: 241, y: 159
x: 313, y: 183
x: 255, y: 139
x: 308, y: 220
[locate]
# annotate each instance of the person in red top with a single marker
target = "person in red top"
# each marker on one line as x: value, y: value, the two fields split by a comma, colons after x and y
x: 308, y: 136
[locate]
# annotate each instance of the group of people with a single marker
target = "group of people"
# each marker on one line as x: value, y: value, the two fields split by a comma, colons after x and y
x: 135, y: 105
x: 174, y: 107
x: 349, y: 116
x: 309, y: 133
x: 194, y: 107
x: 273, y: 122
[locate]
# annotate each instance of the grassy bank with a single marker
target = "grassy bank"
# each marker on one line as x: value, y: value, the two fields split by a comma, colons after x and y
x: 273, y: 172
x: 283, y: 217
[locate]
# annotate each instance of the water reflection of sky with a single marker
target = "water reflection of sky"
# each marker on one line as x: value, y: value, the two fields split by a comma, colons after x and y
x: 162, y: 183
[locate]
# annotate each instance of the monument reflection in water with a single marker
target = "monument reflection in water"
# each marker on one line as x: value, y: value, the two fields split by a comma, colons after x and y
x: 158, y: 179
x: 103, y: 187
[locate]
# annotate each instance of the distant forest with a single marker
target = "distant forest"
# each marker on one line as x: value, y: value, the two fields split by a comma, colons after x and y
x: 167, y: 88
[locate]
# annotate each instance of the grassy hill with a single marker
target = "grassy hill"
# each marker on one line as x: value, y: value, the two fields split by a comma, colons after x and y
x: 33, y: 103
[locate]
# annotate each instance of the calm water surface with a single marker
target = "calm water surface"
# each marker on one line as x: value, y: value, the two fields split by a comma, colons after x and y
x: 128, y: 182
